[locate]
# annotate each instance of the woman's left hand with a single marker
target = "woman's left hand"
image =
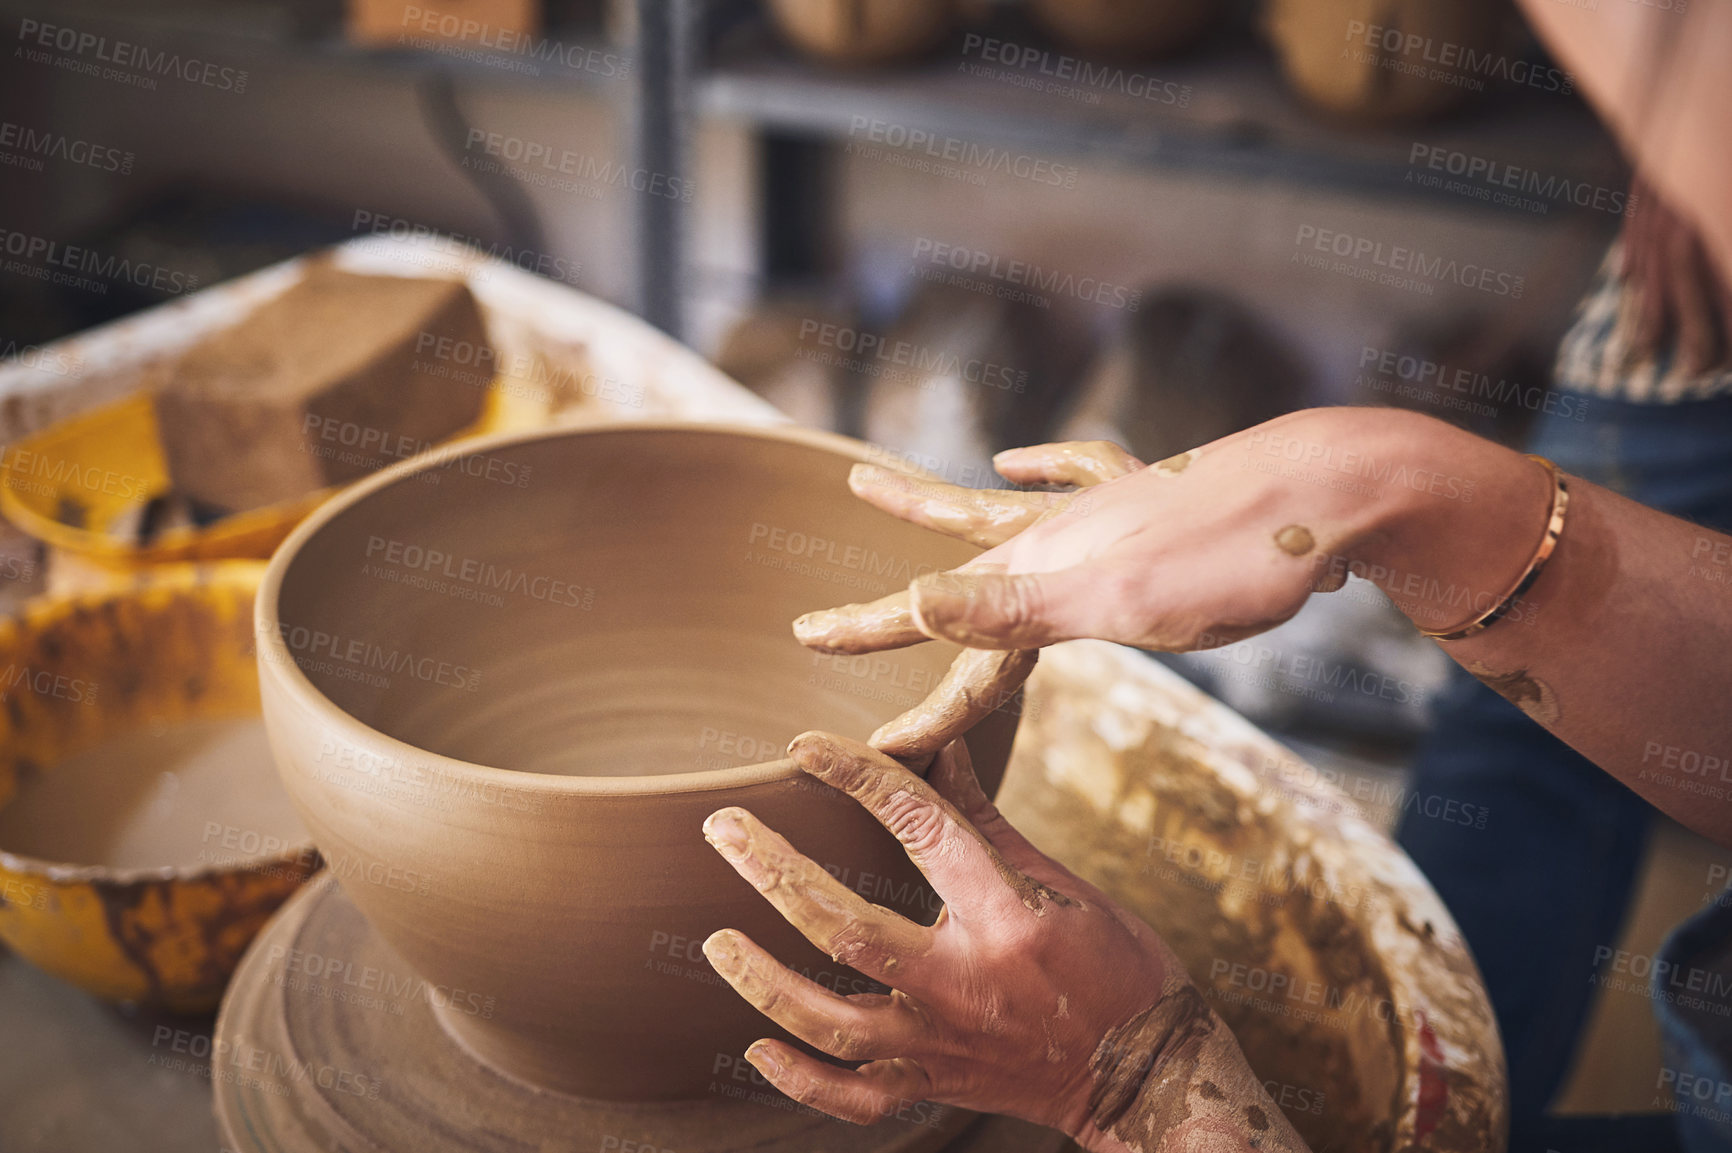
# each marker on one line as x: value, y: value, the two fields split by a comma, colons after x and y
x: 1000, y: 1006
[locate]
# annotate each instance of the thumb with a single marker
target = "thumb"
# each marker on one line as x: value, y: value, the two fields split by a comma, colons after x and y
x: 998, y: 610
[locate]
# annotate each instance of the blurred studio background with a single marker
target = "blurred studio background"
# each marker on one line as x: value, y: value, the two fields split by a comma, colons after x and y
x: 945, y: 226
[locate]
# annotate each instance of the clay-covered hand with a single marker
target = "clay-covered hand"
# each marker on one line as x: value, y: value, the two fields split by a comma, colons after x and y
x: 980, y: 680
x: 1033, y: 994
x: 1192, y: 552
x: 1213, y: 545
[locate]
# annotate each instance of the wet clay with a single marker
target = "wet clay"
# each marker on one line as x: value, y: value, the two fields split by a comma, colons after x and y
x: 1077, y: 462
x: 977, y: 683
x: 943, y: 602
x: 597, y: 661
x: 887, y: 623
x: 1521, y: 689
x: 1295, y: 540
x: 1174, y: 465
x: 1162, y: 1043
x: 149, y: 801
x: 983, y: 517
x: 1137, y: 782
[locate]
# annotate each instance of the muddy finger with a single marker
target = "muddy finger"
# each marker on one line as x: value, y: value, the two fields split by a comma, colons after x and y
x: 864, y: 1096
x: 977, y: 682
x: 1077, y: 462
x: 848, y: 927
x: 983, y: 517
x: 887, y: 623
x: 845, y: 1029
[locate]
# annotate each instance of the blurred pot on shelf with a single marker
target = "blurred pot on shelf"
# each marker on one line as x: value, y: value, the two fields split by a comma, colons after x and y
x: 1126, y: 29
x: 1386, y: 61
x: 863, y: 32
x: 1188, y: 367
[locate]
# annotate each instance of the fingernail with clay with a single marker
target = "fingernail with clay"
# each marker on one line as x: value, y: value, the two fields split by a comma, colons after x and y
x: 724, y: 830
x: 764, y: 1059
x: 723, y: 950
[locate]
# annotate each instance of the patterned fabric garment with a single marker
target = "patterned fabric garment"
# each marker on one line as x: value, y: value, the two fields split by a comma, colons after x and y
x: 1596, y: 355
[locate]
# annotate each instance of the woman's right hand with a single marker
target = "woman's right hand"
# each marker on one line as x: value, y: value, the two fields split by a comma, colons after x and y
x: 1211, y: 546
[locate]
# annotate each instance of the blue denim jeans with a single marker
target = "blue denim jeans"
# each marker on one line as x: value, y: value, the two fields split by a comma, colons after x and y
x: 1548, y: 879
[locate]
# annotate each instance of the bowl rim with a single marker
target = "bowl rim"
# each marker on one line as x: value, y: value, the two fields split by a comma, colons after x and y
x: 278, y: 667
x: 240, y: 574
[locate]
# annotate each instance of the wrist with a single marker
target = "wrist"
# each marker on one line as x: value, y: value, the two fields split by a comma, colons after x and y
x: 1453, y: 521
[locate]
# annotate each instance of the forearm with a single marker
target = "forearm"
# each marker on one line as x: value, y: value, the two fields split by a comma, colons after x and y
x: 1658, y: 76
x: 1620, y: 647
x: 1174, y: 1079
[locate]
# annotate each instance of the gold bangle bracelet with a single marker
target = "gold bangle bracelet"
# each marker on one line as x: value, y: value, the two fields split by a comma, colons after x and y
x: 1548, y: 544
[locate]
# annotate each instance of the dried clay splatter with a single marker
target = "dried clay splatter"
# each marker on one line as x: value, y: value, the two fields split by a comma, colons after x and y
x: 1163, y: 1043
x: 1521, y: 689
x: 1174, y: 465
x: 1295, y: 540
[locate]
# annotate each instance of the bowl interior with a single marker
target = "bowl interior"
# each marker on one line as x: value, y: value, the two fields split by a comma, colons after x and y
x: 607, y: 602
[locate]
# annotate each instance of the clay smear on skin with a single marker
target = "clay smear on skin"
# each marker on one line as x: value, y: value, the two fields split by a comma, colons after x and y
x: 886, y: 623
x: 1295, y: 540
x: 1174, y: 465
x: 1160, y: 1047
x: 982, y: 517
x: 1521, y: 689
x: 942, y: 601
x: 979, y: 681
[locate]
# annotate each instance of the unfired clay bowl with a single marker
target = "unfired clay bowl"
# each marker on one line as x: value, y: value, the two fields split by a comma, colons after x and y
x: 511, y: 685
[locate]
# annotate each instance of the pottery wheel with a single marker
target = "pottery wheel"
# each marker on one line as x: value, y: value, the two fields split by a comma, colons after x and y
x: 326, y: 1042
